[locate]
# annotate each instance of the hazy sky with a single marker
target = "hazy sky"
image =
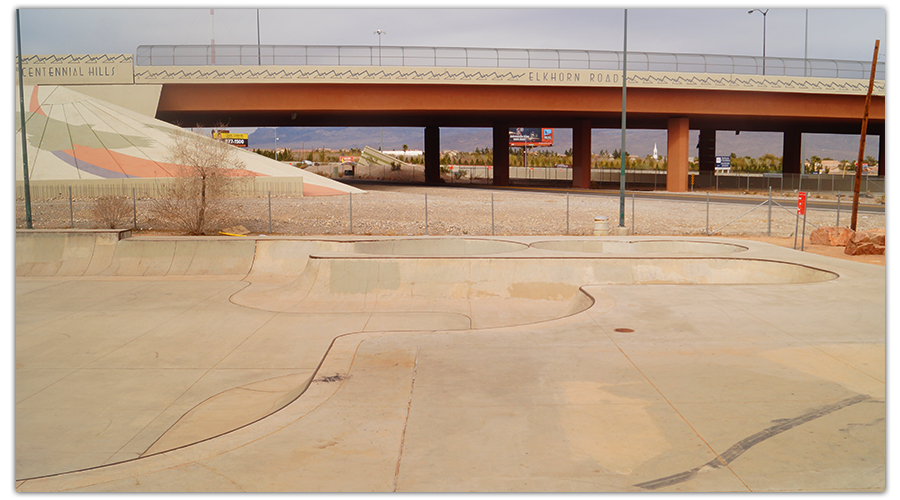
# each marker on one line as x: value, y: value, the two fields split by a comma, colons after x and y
x: 833, y: 33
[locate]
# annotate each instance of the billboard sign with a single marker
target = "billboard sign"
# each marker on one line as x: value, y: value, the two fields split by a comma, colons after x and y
x: 239, y: 140
x: 539, y: 137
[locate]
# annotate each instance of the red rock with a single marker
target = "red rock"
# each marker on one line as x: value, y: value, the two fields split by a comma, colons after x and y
x: 831, y: 236
x: 869, y: 242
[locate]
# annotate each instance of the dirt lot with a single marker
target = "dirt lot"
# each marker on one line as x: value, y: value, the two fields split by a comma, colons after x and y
x: 406, y: 210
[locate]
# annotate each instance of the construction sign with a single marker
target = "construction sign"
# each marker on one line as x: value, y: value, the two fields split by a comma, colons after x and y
x: 239, y: 140
x: 801, y: 203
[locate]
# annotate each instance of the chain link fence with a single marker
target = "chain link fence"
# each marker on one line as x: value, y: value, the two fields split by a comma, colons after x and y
x: 414, y: 211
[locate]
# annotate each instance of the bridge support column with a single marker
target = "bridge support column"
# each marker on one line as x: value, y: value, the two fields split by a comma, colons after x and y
x: 501, y: 154
x: 707, y: 149
x: 432, y: 155
x: 581, y: 155
x: 792, y: 161
x: 881, y: 154
x: 678, y: 148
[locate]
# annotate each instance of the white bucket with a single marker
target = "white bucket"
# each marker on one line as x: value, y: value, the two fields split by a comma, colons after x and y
x: 601, y: 225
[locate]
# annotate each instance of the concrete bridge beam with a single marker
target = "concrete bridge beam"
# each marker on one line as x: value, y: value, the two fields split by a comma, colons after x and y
x: 792, y: 161
x: 678, y: 149
x: 581, y: 155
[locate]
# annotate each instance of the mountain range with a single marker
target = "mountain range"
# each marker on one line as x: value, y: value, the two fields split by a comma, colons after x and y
x: 638, y: 142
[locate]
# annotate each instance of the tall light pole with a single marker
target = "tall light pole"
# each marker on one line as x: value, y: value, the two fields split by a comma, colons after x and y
x: 806, y: 45
x: 622, y: 156
x: 379, y: 33
x: 258, y: 51
x: 763, y: 12
x: 28, y: 221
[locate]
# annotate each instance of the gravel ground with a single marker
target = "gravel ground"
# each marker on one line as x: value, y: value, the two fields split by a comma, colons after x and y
x: 401, y: 211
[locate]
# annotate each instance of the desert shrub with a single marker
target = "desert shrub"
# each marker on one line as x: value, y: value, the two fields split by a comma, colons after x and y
x: 111, y: 211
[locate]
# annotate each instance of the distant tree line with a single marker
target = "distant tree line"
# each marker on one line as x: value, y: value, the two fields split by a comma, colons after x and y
x: 549, y: 158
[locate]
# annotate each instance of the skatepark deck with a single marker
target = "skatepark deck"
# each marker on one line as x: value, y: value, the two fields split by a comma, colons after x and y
x: 444, y: 364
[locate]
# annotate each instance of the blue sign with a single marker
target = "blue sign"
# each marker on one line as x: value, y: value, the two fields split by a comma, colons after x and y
x: 723, y: 162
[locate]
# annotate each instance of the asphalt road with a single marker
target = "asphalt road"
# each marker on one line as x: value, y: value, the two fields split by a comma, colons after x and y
x: 697, y: 197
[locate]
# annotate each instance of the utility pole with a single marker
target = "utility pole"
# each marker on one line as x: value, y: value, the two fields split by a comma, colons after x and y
x: 862, y: 141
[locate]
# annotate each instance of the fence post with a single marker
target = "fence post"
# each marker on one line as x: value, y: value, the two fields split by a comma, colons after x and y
x: 632, y: 211
x: 134, y: 209
x: 426, y: 214
x: 838, y: 223
x: 567, y: 214
x: 804, y: 231
x: 71, y: 210
x: 492, y: 214
x: 351, y: 212
x: 270, y: 211
x: 769, y: 230
x: 707, y: 214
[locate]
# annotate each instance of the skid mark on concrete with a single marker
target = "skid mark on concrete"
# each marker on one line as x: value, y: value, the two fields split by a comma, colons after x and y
x: 745, y: 444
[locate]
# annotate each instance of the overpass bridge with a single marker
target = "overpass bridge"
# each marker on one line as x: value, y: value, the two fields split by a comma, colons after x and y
x: 251, y: 85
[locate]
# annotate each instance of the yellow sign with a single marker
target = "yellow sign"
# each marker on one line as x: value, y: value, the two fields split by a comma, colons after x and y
x: 239, y: 140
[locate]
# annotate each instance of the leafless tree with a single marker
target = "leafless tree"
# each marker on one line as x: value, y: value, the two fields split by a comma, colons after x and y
x: 207, y: 172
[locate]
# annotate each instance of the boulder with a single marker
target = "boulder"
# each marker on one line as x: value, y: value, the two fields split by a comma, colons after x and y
x: 869, y: 242
x: 831, y: 236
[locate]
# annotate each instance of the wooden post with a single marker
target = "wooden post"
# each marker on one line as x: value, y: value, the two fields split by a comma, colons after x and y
x: 862, y: 141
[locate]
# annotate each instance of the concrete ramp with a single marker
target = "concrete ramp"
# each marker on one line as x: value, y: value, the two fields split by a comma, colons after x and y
x: 65, y: 253
x: 182, y: 257
x: 114, y: 253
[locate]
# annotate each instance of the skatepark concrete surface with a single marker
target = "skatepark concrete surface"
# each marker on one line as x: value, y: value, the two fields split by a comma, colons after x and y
x: 444, y: 364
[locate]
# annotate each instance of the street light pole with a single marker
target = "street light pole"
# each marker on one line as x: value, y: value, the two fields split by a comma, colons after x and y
x: 379, y: 33
x: 622, y: 156
x: 258, y: 51
x: 763, y: 12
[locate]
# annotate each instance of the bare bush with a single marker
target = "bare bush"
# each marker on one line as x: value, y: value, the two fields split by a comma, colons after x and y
x: 111, y: 211
x: 208, y: 170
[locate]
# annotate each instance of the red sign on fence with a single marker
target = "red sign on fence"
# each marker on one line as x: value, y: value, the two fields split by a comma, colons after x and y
x: 801, y: 203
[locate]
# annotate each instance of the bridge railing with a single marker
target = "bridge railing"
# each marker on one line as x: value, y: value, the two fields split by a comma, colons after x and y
x: 469, y: 57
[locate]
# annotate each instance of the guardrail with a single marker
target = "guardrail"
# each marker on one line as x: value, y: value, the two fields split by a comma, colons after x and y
x: 472, y: 57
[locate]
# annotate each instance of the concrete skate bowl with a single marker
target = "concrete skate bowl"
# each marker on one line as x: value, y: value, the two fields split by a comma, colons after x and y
x: 642, y: 247
x: 395, y: 283
x: 492, y: 291
x: 436, y: 246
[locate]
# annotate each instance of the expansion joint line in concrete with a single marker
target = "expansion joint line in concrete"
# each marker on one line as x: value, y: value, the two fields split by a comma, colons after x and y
x: 412, y: 387
x: 685, y: 420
